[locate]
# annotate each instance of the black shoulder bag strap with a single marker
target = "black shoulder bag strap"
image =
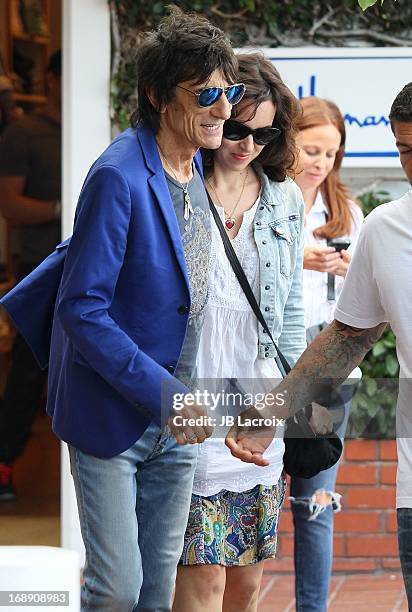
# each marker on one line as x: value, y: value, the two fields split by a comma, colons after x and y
x: 331, y: 277
x: 280, y: 359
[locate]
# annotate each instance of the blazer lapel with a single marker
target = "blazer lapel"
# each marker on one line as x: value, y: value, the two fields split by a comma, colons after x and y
x: 159, y: 187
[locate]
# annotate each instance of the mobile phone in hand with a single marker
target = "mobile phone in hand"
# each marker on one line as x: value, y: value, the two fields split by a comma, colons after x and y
x: 340, y: 244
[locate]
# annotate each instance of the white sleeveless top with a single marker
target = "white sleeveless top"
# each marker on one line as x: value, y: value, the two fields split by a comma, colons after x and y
x: 229, y: 349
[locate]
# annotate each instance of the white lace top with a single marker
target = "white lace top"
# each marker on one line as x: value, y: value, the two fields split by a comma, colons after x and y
x: 229, y: 348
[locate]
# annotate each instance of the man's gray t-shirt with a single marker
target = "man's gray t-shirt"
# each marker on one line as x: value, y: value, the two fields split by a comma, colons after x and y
x: 31, y: 148
x: 196, y: 238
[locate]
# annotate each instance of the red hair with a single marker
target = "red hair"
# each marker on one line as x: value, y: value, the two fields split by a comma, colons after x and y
x: 318, y: 112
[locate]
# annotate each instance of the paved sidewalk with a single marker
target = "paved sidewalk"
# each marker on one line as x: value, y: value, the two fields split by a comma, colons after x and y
x: 359, y: 593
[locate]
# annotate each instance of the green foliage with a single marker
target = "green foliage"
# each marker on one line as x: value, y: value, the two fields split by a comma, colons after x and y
x: 364, y: 4
x: 371, y: 199
x: 374, y: 403
x: 269, y: 23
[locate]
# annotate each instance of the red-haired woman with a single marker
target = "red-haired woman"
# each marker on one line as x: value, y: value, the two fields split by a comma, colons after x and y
x: 332, y: 223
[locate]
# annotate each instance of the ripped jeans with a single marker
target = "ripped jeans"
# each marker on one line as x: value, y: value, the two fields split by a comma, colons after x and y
x: 313, y: 543
x: 314, y: 538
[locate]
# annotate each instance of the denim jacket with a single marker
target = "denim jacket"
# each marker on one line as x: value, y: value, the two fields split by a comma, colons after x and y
x: 278, y: 233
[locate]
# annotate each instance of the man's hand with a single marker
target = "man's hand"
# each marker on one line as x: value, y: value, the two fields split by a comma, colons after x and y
x: 321, y: 420
x: 249, y: 442
x: 321, y: 259
x: 191, y: 424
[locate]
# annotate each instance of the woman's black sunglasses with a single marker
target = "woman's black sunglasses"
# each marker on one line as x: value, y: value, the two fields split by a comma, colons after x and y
x: 210, y: 95
x: 235, y: 130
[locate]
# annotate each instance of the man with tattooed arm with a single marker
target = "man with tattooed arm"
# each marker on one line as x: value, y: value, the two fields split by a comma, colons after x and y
x: 377, y: 291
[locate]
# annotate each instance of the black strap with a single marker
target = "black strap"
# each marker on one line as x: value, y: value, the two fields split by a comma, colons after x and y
x: 302, y: 416
x: 331, y: 287
x: 331, y: 277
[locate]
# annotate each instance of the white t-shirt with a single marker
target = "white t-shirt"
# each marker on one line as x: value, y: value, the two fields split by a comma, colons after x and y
x: 378, y: 288
x: 228, y: 348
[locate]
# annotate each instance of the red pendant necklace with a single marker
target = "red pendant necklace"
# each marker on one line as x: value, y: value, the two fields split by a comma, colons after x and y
x: 229, y: 217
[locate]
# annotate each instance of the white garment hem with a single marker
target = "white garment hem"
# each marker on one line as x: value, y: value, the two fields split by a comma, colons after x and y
x: 246, y: 485
x: 403, y: 502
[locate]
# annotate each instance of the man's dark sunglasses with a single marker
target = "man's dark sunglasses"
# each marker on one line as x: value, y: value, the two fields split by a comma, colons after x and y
x: 210, y: 95
x: 235, y: 130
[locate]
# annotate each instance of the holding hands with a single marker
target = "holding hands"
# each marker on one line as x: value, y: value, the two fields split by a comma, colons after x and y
x: 249, y: 443
x: 191, y: 424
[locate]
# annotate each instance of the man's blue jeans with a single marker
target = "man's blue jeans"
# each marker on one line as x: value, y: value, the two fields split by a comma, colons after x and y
x: 405, y: 549
x: 133, y: 512
x: 314, y: 539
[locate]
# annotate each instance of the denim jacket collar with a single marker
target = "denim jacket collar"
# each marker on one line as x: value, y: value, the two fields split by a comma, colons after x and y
x: 273, y: 193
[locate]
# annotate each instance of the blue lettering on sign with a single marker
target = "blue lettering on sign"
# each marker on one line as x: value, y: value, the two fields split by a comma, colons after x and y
x: 369, y: 121
x: 312, y: 88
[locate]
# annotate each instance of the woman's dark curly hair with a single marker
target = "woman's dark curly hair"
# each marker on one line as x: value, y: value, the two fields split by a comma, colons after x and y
x: 263, y: 82
x: 184, y: 47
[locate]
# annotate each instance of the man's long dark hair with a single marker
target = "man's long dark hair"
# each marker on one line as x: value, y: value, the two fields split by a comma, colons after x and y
x: 185, y: 47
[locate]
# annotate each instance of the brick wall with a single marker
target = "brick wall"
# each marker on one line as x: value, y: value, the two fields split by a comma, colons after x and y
x: 365, y: 529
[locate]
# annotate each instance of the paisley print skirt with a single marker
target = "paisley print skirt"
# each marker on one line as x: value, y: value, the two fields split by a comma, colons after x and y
x: 233, y: 529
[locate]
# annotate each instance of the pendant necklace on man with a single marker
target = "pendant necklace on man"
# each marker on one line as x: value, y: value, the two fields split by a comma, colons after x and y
x: 187, y: 208
x: 229, y: 217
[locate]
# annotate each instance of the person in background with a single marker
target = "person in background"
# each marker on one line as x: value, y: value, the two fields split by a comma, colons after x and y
x: 332, y: 221
x: 233, y: 519
x: 30, y: 184
x: 9, y: 111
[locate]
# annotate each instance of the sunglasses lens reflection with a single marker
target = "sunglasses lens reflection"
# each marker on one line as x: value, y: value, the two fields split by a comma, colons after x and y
x: 266, y: 135
x: 209, y: 96
x: 234, y: 130
x: 235, y: 93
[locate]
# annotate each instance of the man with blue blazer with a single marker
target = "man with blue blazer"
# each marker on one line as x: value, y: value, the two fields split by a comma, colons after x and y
x: 128, y: 315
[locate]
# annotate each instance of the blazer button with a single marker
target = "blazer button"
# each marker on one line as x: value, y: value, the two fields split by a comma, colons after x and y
x: 170, y: 368
x: 183, y: 309
x: 267, y: 308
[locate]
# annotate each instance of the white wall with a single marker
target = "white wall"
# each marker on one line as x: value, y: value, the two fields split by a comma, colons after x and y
x: 86, y: 133
x: 351, y: 77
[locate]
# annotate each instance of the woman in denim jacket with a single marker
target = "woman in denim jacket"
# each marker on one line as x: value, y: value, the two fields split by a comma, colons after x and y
x: 234, y: 513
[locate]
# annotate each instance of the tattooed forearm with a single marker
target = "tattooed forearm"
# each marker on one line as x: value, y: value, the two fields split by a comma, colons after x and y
x: 337, y: 350
x: 327, y: 362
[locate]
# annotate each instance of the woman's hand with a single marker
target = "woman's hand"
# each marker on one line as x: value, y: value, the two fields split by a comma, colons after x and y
x: 249, y: 442
x: 343, y: 264
x: 321, y: 259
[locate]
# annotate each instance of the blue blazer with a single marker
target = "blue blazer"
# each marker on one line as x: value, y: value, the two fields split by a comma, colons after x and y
x: 121, y: 310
